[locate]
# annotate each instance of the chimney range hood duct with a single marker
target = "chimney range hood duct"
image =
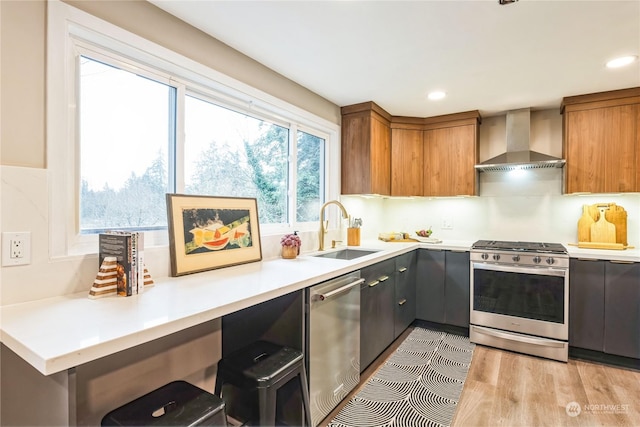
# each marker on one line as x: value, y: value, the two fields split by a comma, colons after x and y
x: 518, y: 155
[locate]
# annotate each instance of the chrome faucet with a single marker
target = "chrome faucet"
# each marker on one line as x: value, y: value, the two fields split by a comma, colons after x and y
x: 323, y: 227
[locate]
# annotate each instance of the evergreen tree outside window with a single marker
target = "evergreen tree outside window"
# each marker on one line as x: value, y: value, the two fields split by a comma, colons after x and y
x: 124, y: 135
x: 128, y: 128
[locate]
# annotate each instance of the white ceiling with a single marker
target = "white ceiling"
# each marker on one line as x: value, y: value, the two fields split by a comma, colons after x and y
x: 486, y: 56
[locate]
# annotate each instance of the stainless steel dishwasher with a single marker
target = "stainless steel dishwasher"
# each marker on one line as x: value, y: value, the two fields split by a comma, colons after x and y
x: 333, y: 342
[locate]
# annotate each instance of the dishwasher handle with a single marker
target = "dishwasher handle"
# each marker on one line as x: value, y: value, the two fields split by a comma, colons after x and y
x: 341, y: 289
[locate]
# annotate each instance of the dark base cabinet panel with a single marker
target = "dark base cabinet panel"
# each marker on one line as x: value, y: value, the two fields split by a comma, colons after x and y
x: 376, y: 311
x: 604, y: 307
x: 405, y: 292
x: 443, y: 287
x: 457, y: 289
x: 430, y: 278
x: 586, y: 304
x: 622, y: 309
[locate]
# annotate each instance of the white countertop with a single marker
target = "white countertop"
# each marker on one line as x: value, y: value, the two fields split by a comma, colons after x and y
x: 59, y: 333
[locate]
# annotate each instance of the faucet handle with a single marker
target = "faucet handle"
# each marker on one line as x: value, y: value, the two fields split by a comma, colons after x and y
x: 333, y: 243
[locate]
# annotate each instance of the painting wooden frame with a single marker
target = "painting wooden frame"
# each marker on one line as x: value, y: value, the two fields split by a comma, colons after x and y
x: 207, y: 232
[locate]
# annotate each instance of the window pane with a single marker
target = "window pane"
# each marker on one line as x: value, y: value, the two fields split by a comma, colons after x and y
x: 124, y: 135
x: 310, y: 177
x: 231, y: 154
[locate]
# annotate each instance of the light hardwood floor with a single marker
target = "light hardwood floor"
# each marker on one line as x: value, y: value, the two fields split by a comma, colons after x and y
x: 511, y: 389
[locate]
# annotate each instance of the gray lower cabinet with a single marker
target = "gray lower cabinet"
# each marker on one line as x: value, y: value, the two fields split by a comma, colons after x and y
x: 604, y: 306
x: 376, y: 310
x: 622, y: 309
x: 430, y: 278
x: 586, y: 304
x: 442, y: 287
x: 457, y: 288
x: 405, y: 292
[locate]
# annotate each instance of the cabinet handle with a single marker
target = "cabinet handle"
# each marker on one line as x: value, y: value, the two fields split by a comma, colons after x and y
x: 621, y: 262
x: 383, y: 278
x: 587, y: 259
x: 402, y: 269
x: 402, y: 301
x: 372, y: 284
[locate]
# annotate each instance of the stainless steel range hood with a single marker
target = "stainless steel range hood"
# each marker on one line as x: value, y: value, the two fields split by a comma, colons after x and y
x: 518, y: 155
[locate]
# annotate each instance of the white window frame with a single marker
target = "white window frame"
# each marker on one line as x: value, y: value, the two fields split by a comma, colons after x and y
x: 69, y: 30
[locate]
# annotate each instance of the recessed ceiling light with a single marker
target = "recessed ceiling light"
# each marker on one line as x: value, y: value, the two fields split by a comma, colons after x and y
x: 622, y: 61
x: 438, y: 94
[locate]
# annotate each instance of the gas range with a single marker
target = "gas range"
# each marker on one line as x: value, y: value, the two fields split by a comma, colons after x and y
x: 520, y: 253
x: 520, y: 297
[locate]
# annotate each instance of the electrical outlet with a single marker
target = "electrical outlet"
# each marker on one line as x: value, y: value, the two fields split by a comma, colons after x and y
x: 16, y: 248
x: 447, y: 224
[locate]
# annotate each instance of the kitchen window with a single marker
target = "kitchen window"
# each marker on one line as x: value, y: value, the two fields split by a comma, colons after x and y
x: 130, y: 121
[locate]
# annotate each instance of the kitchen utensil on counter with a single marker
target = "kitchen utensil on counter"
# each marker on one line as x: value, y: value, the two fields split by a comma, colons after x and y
x: 603, y: 226
x: 618, y: 217
x: 584, y: 225
x: 353, y: 236
x: 602, y: 231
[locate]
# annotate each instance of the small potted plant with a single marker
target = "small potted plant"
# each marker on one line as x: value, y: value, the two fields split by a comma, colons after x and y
x: 291, y: 245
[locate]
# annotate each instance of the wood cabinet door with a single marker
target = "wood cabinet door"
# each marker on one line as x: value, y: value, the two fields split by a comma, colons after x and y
x: 406, y: 162
x: 637, y: 147
x: 601, y: 149
x: 380, y: 165
x: 450, y: 156
x: 366, y: 155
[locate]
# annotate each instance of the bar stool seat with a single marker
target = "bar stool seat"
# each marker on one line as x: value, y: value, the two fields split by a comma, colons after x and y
x: 175, y: 404
x: 264, y: 367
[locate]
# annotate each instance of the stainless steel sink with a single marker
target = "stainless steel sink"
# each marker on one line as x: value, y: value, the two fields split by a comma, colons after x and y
x: 346, y: 254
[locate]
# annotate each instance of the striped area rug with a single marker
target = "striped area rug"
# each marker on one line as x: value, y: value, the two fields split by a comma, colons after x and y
x: 419, y: 385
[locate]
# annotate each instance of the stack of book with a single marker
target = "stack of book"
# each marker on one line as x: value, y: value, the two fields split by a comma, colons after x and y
x: 121, y: 265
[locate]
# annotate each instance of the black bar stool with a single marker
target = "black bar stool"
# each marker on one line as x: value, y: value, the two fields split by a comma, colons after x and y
x: 175, y: 404
x: 264, y: 367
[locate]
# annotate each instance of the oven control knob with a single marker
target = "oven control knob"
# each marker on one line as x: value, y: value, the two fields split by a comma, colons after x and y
x: 537, y: 259
x: 485, y: 256
x: 496, y: 257
x: 550, y: 261
x: 516, y: 258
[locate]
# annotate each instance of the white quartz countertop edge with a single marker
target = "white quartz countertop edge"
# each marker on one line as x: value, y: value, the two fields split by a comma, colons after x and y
x: 59, y: 333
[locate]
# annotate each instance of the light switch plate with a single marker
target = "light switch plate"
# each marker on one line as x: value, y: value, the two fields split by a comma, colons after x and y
x: 16, y: 248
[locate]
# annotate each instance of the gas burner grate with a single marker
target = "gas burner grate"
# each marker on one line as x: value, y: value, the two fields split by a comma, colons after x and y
x: 517, y: 246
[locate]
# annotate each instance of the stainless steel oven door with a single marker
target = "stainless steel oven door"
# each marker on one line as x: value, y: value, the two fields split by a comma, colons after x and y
x: 525, y: 300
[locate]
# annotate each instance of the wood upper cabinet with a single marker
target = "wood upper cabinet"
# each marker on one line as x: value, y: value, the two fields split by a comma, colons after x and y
x: 366, y: 150
x: 408, y: 156
x: 407, y: 161
x: 434, y: 156
x: 450, y: 154
x: 601, y: 142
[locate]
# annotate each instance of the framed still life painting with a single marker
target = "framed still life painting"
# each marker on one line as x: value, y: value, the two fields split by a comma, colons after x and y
x: 207, y: 232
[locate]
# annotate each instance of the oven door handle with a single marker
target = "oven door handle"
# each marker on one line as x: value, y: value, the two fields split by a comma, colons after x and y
x: 544, y: 271
x: 517, y: 337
